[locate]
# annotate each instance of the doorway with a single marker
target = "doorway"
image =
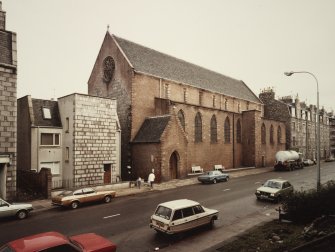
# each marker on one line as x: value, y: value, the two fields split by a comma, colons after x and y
x: 174, y: 165
x: 107, y: 173
x: 3, y: 172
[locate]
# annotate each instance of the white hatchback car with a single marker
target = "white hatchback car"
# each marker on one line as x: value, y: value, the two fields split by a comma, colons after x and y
x: 181, y: 215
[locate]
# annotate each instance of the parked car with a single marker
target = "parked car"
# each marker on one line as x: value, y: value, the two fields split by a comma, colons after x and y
x: 18, y: 210
x: 213, y: 177
x: 274, y: 190
x: 181, y: 215
x: 308, y: 162
x: 74, y: 199
x: 330, y: 159
x: 53, y: 241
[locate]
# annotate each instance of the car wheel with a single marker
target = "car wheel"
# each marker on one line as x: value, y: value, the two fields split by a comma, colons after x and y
x: 214, y: 181
x: 107, y: 199
x: 227, y: 178
x: 22, y: 214
x: 74, y: 204
x: 211, y: 223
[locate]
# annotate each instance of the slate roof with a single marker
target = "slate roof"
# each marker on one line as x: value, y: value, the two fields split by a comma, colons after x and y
x: 152, y: 62
x: 38, y: 105
x: 152, y: 129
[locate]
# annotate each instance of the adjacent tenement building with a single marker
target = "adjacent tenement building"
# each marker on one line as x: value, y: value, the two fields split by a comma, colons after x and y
x: 8, y: 80
x: 175, y: 115
x: 301, y: 123
x: 77, y: 137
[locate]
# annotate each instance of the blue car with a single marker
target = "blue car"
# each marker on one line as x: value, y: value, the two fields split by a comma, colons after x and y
x: 213, y: 177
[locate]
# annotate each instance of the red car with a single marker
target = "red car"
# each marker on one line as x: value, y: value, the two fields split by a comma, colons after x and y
x: 56, y: 242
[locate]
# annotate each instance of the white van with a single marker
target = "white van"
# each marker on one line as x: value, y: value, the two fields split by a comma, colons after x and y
x: 181, y: 215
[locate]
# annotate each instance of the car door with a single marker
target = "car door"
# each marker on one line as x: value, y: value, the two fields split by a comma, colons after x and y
x: 287, y: 188
x: 201, y: 216
x: 6, y: 209
x: 90, y: 195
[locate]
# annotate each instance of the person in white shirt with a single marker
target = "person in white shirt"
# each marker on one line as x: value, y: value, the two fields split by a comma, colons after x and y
x: 151, y: 179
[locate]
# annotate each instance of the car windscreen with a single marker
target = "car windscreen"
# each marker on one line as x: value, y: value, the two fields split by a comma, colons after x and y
x: 272, y: 184
x: 163, y: 212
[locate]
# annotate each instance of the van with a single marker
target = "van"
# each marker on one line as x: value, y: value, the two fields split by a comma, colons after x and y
x: 181, y: 215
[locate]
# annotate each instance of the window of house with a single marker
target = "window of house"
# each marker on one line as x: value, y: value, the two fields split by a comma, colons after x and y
x: 46, y: 113
x: 227, y: 130
x: 50, y: 139
x: 238, y: 131
x: 181, y: 118
x: 239, y: 107
x: 198, y: 128
x: 67, y: 154
x: 293, y: 141
x: 214, y: 134
x: 248, y: 105
x: 263, y: 134
x: 214, y: 101
x: 279, y: 134
x: 271, y: 134
x: 67, y: 125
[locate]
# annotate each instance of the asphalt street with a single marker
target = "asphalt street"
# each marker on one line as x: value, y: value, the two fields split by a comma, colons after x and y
x: 125, y: 220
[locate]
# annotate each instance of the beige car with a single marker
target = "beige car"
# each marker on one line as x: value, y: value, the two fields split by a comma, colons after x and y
x: 181, y: 215
x: 74, y: 199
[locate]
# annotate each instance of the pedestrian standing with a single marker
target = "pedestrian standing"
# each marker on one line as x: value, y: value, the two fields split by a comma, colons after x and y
x: 151, y: 179
x: 138, y: 182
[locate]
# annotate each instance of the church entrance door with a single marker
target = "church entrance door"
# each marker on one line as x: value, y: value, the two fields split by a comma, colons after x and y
x: 174, y: 165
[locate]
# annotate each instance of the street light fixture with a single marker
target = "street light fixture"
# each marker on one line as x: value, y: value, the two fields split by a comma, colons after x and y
x: 318, y: 184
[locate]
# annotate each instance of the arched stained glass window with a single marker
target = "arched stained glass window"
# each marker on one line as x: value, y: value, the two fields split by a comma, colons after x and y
x: 214, y: 134
x: 238, y: 131
x: 271, y: 134
x: 198, y: 128
x: 263, y: 134
x: 181, y: 118
x: 227, y: 130
x: 279, y: 135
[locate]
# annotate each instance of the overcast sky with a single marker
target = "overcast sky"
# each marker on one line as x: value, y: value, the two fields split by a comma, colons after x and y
x: 251, y: 40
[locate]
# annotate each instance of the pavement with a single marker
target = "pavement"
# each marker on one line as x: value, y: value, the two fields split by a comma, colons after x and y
x: 123, y: 189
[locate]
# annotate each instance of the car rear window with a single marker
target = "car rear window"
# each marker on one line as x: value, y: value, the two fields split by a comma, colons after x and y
x: 163, y: 212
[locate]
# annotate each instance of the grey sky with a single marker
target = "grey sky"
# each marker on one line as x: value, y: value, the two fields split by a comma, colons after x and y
x: 252, y: 40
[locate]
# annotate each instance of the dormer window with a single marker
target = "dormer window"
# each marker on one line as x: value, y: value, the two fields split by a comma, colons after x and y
x: 46, y: 113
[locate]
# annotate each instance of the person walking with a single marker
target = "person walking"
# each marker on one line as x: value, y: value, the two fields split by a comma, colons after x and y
x: 151, y: 179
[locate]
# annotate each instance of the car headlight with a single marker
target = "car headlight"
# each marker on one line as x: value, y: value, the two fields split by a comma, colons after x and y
x: 258, y: 191
x: 272, y: 194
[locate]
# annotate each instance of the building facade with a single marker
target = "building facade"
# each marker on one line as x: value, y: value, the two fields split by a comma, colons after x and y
x: 8, y: 90
x: 332, y: 134
x: 39, y: 137
x: 301, y: 124
x: 91, y: 140
x: 175, y: 115
x: 77, y: 137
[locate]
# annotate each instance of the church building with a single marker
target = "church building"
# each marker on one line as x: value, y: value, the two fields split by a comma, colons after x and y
x: 175, y: 115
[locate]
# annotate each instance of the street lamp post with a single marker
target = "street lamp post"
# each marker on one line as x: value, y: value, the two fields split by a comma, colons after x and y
x: 318, y: 184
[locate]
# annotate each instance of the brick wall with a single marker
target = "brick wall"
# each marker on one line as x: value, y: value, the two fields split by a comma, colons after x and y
x: 95, y: 130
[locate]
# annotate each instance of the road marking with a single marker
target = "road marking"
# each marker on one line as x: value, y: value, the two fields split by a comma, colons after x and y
x: 226, y: 190
x: 111, y: 216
